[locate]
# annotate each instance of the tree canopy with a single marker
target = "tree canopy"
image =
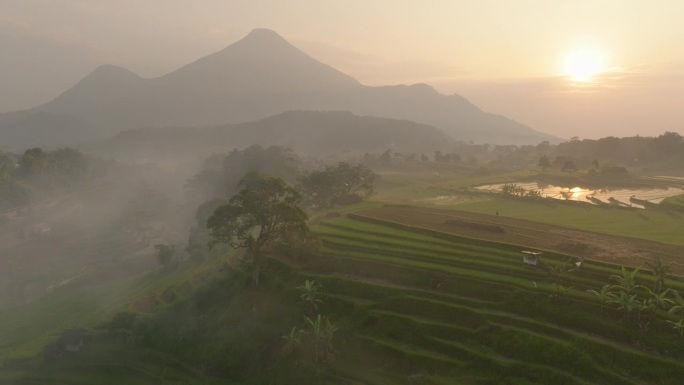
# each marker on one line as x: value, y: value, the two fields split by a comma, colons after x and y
x: 222, y: 173
x: 263, y: 212
x: 30, y: 176
x: 323, y: 187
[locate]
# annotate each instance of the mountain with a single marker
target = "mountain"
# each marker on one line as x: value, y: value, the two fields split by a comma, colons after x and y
x: 317, y: 133
x: 259, y: 76
x: 28, y: 129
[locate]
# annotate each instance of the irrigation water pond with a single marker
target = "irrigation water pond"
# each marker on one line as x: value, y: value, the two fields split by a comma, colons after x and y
x: 595, y: 196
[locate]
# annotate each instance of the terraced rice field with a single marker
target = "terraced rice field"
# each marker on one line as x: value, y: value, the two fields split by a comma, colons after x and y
x: 427, y: 307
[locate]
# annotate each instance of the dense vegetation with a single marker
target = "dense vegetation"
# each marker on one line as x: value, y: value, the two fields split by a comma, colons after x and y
x: 403, y: 304
x: 371, y: 301
x: 38, y: 174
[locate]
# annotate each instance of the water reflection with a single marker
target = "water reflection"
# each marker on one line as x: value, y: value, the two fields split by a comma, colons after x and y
x: 596, y: 196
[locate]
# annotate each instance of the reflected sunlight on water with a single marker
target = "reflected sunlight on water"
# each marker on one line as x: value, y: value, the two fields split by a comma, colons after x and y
x: 653, y: 195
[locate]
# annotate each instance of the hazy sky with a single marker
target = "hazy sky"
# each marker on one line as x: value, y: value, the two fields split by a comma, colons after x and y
x: 586, y: 68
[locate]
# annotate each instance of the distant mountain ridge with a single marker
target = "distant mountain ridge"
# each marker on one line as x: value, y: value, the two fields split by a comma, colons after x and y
x: 317, y: 133
x: 256, y: 77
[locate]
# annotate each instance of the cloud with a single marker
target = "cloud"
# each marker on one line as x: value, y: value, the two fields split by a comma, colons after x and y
x: 643, y: 100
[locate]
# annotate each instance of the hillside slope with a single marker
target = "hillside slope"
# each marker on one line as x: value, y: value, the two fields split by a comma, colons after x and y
x: 259, y: 76
x: 306, y: 132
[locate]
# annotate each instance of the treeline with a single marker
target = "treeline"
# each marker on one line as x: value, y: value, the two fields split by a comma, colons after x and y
x: 37, y: 173
x: 320, y: 185
x: 607, y: 156
x: 664, y: 152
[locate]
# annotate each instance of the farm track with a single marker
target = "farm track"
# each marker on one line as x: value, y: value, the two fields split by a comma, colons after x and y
x: 443, y: 304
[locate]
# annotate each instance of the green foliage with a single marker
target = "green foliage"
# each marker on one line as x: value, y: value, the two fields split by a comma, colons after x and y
x: 569, y: 166
x: 310, y: 294
x: 262, y: 213
x: 222, y: 174
x: 544, y: 162
x: 199, y: 234
x: 417, y: 307
x: 166, y: 255
x: 322, y: 331
x: 605, y: 296
x: 626, y: 281
x: 30, y: 176
x: 634, y: 300
x: 512, y: 189
x: 533, y: 194
x: 292, y: 340
x: 661, y: 226
x: 660, y: 271
x: 335, y: 184
x: 558, y: 274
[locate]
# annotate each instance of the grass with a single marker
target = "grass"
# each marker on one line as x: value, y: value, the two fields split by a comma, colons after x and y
x: 484, y: 308
x: 95, y: 364
x: 651, y: 225
x: 676, y: 202
x: 413, y: 305
x: 448, y: 186
x: 24, y: 331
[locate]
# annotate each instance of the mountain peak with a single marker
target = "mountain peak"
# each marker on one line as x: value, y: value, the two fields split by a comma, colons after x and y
x: 263, y: 34
x: 262, y: 62
x: 263, y: 40
x: 112, y: 71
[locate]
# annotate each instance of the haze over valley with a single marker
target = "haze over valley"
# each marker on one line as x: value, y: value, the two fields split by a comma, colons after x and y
x: 459, y: 192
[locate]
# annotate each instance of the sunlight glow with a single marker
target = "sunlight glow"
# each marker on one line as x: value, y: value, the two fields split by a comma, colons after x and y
x: 582, y: 65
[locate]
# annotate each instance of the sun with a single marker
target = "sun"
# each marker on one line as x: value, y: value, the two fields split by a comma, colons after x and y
x: 583, y: 65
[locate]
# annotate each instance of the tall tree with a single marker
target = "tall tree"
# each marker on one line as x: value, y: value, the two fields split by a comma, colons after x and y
x: 166, y: 255
x: 263, y: 212
x: 544, y: 162
x: 338, y: 182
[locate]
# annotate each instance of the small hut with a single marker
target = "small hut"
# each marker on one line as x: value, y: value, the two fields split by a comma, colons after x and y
x: 531, y: 257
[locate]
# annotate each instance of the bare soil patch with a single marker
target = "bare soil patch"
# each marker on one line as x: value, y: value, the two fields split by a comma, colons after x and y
x: 145, y: 305
x: 528, y: 234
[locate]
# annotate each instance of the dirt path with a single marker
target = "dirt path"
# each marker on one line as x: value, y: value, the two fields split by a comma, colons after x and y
x: 609, y: 248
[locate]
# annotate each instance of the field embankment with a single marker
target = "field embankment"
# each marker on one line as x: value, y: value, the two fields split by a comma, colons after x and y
x: 619, y: 250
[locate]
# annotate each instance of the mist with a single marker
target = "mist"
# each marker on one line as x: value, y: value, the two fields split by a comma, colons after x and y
x: 365, y: 192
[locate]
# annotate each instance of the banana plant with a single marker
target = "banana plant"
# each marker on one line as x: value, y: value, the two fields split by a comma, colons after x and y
x: 660, y: 271
x: 660, y: 301
x: 605, y: 295
x: 323, y: 331
x: 626, y: 281
x: 292, y: 340
x: 678, y: 326
x: 310, y: 293
x: 626, y: 303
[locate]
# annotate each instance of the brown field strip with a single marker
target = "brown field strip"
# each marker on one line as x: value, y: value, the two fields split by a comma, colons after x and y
x: 528, y: 234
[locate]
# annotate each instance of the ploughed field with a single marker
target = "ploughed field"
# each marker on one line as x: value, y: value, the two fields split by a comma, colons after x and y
x: 417, y: 303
